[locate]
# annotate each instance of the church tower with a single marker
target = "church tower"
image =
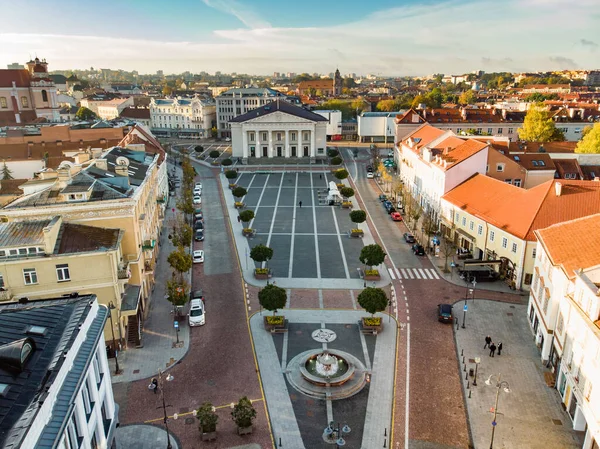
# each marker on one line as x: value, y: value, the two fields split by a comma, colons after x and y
x: 337, y: 83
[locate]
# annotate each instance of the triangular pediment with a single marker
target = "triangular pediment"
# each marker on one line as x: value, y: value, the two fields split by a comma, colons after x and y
x: 278, y: 117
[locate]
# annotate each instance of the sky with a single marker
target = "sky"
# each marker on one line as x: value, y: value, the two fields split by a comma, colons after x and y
x: 382, y: 37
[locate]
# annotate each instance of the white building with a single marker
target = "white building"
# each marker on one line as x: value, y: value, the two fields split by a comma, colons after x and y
x: 55, y: 382
x: 108, y: 110
x: 334, y: 123
x: 377, y: 126
x: 564, y: 313
x: 279, y: 129
x: 432, y: 162
x: 182, y: 117
x: 235, y: 102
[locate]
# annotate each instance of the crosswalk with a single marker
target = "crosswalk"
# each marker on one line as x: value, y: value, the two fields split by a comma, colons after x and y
x: 413, y: 273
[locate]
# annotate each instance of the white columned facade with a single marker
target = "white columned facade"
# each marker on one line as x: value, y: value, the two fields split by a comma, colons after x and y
x: 270, y: 150
x: 287, y: 143
x: 313, y: 142
x: 245, y: 143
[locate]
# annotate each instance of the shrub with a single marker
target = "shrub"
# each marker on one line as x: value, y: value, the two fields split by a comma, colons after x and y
x: 226, y: 162
x: 246, y: 216
x: 357, y: 231
x: 207, y: 417
x: 347, y: 192
x: 371, y: 272
x: 336, y: 160
x: 347, y: 204
x: 373, y: 300
x: 261, y: 271
x: 230, y: 174
x: 276, y: 320
x: 198, y: 148
x: 214, y: 154
x: 243, y: 413
x: 333, y: 153
x: 358, y: 216
x: 272, y: 297
x: 239, y: 192
x: 247, y: 230
x: 372, y: 321
x: 341, y: 173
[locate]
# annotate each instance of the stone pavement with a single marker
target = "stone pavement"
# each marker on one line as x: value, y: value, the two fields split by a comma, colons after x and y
x: 143, y: 436
x: 159, y: 335
x: 530, y: 415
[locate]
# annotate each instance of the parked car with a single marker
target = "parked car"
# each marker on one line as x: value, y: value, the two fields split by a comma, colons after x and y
x: 197, y: 199
x: 370, y: 175
x: 383, y: 197
x: 479, y: 274
x: 198, y: 191
x: 396, y: 216
x: 369, y: 168
x: 197, y: 315
x: 198, y: 185
x: 198, y: 225
x: 197, y: 294
x: 418, y: 249
x: 198, y: 216
x: 409, y: 238
x: 198, y: 256
x: 389, y: 207
x: 445, y: 313
x: 199, y: 235
x: 198, y: 210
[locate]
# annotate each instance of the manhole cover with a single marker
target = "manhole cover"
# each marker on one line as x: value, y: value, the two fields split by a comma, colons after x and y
x: 348, y: 326
x: 136, y: 371
x: 512, y: 307
x: 298, y: 332
x: 509, y: 314
x: 557, y: 422
x: 190, y: 420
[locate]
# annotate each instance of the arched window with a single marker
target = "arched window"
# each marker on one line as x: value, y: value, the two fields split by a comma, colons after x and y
x: 44, y: 95
x: 24, y: 102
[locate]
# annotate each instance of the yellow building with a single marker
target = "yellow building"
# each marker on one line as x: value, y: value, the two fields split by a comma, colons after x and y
x: 49, y: 258
x: 495, y: 221
x: 124, y: 188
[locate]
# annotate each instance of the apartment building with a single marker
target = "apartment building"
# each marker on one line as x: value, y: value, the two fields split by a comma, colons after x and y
x: 564, y: 314
x: 522, y: 170
x: 123, y: 188
x: 182, y: 117
x: 111, y: 109
x: 55, y: 381
x: 495, y: 221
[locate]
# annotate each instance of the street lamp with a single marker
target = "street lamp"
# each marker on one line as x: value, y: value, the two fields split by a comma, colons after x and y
x: 477, y: 362
x: 467, y: 291
x: 112, y: 307
x: 168, y: 378
x: 506, y: 387
x: 332, y: 434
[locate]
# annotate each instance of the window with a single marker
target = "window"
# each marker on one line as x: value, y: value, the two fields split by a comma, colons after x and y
x: 533, y: 253
x: 499, y: 130
x: 504, y: 242
x: 517, y: 182
x: 251, y: 137
x: 87, y: 400
x: 73, y: 437
x: 456, y: 218
x: 492, y: 235
x: 534, y: 163
x: 471, y: 226
x: 30, y: 276
x: 44, y: 95
x: 510, y: 130
x: 305, y: 136
x: 546, y: 301
x: 1, y: 281
x: 490, y: 131
x: 487, y: 168
x: 500, y: 167
x: 527, y: 280
x: 263, y: 136
x: 24, y: 102
x: 293, y: 137
x: 508, y: 181
x: 62, y: 272
x: 560, y: 325
x: 514, y: 247
x: 464, y: 221
x: 3, y: 103
x: 479, y: 131
x: 278, y: 136
x: 480, y: 230
x: 536, y: 280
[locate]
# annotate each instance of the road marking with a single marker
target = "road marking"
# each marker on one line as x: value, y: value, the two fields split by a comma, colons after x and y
x: 410, y: 274
x: 284, y: 351
x: 275, y: 211
x: 422, y: 273
x: 288, y: 303
x: 397, y: 273
x: 363, y: 342
x: 435, y: 275
x: 416, y: 272
x: 407, y: 403
x: 353, y: 300
x: 314, y: 212
x: 392, y: 275
x: 427, y: 272
x: 291, y: 267
x: 337, y: 229
x: 407, y: 312
x: 321, y: 306
x: 404, y: 273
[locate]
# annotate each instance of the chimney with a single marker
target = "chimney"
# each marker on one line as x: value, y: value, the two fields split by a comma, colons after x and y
x: 503, y: 114
x: 64, y: 176
x: 102, y: 164
x: 463, y: 113
x: 558, y: 188
x: 122, y: 170
x: 447, y: 150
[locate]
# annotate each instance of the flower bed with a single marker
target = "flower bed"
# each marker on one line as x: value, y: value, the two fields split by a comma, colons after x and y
x: 232, y: 186
x: 275, y: 320
x: 357, y: 233
x: 347, y: 204
x: 261, y: 273
x: 215, y: 163
x: 340, y: 185
x: 371, y: 324
x: 372, y: 321
x: 238, y: 204
x: 248, y: 232
x: 372, y: 275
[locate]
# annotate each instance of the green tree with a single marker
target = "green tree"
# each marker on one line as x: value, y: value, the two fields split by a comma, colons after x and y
x: 340, y: 173
x: 246, y: 217
x: 243, y: 413
x: 214, y: 131
x: 182, y: 234
x: 272, y: 298
x: 388, y: 105
x: 590, y: 143
x: 231, y: 174
x: 85, y: 114
x: 214, y: 154
x: 336, y: 160
x: 177, y: 292
x: 167, y: 91
x: 347, y: 192
x: 198, y: 148
x: 226, y: 162
x: 180, y: 261
x: 333, y: 152
x: 467, y: 97
x: 358, y: 216
x: 185, y: 203
x: 373, y: 300
x: 261, y: 253
x: 6, y: 172
x: 358, y: 106
x: 538, y: 126
x: 239, y: 192
x: 207, y: 418
x: 372, y: 255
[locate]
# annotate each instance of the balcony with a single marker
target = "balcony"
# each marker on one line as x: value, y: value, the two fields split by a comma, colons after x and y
x: 161, y: 199
x: 149, y: 245
x: 148, y: 267
x: 124, y: 272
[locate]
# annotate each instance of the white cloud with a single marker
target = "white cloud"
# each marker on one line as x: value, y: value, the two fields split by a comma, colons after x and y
x: 449, y: 37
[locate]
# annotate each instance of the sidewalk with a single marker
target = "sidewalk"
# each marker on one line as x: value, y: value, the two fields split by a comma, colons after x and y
x: 143, y: 436
x: 529, y: 415
x: 158, y: 337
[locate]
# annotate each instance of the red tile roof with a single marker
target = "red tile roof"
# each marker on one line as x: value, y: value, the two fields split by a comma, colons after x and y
x: 139, y: 113
x: 423, y: 135
x: 569, y: 244
x: 20, y: 76
x: 520, y: 211
x: 568, y: 168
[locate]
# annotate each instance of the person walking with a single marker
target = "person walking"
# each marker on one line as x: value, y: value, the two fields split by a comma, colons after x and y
x: 499, y: 348
x: 239, y: 219
x: 492, y: 349
x: 488, y: 341
x: 300, y: 204
x: 154, y: 384
x: 320, y: 176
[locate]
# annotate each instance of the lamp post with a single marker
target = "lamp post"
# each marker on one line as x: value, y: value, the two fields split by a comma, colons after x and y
x: 331, y: 434
x: 168, y: 378
x: 477, y: 362
x: 499, y: 384
x: 112, y: 307
x: 473, y: 289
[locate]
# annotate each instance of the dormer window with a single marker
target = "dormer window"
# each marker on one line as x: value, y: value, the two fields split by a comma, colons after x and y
x: 76, y: 197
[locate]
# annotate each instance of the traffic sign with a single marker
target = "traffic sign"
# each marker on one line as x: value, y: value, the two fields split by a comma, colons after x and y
x: 465, y: 308
x: 175, y: 324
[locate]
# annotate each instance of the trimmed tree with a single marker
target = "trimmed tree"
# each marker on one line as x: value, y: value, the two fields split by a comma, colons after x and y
x: 84, y: 113
x: 272, y: 298
x: 347, y: 192
x: 336, y: 160
x: 373, y: 300
x: 333, y: 152
x: 243, y: 413
x: 372, y: 255
x: 182, y: 235
x: 180, y: 261
x: 231, y: 174
x: 226, y: 162
x: 198, y: 148
x: 214, y: 154
x: 239, y: 192
x: 358, y: 217
x: 246, y: 217
x: 341, y: 173
x: 261, y: 253
x: 177, y: 292
x: 207, y: 418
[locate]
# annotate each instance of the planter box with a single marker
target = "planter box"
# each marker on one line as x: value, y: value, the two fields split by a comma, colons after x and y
x: 248, y: 233
x: 357, y: 235
x: 232, y: 186
x: 239, y: 205
x: 365, y: 328
x: 275, y: 327
x: 208, y: 436
x: 262, y: 276
x: 346, y: 205
x: 244, y: 430
x: 373, y: 277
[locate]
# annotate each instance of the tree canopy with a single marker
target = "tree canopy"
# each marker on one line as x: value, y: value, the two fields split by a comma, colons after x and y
x: 467, y: 97
x: 84, y: 113
x: 358, y: 216
x: 180, y: 261
x: 347, y: 192
x: 231, y: 174
x: 373, y: 300
x: 538, y: 126
x: 372, y: 255
x: 341, y: 173
x: 590, y: 143
x: 261, y: 253
x: 246, y: 215
x: 272, y: 297
x: 239, y: 192
x: 344, y: 106
x: 6, y: 172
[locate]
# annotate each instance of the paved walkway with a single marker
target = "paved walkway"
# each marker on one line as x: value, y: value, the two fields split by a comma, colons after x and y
x: 143, y: 436
x: 530, y: 415
x: 159, y: 335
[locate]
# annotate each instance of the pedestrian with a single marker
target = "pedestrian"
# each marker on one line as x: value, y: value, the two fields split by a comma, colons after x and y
x: 488, y: 341
x: 492, y: 349
x: 239, y: 219
x: 154, y: 385
x: 300, y: 203
x: 320, y: 176
x: 499, y: 348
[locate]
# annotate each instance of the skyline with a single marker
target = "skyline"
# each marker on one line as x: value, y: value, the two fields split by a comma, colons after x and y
x: 384, y: 37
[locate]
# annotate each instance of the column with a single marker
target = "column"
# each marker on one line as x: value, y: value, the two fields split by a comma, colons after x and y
x: 244, y: 143
x: 313, y: 142
x: 287, y: 143
x: 270, y: 150
x: 258, y: 148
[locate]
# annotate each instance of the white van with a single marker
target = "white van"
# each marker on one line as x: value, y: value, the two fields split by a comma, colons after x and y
x: 197, y: 313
